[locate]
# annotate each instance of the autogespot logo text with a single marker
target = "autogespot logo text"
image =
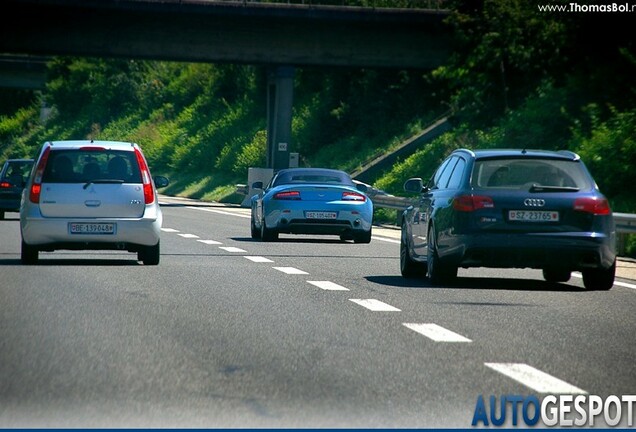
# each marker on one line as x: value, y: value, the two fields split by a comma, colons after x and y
x: 554, y: 410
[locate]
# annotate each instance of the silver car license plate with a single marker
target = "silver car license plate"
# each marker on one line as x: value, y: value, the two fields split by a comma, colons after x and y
x: 321, y: 215
x: 91, y: 228
x: 533, y: 216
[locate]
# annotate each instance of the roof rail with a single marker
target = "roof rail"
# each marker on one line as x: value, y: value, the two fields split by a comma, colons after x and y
x: 573, y: 155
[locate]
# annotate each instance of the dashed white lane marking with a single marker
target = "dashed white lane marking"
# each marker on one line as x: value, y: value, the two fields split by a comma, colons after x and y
x: 258, y: 259
x: 619, y: 283
x: 232, y: 249
x: 375, y: 305
x: 329, y: 286
x: 189, y: 236
x: 219, y: 212
x: 436, y: 333
x: 290, y: 270
x: 534, y: 378
x: 389, y: 240
x: 169, y: 230
x: 210, y: 242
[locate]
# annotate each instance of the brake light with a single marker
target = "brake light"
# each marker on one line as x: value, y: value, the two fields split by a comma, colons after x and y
x: 353, y: 196
x: 593, y: 205
x: 5, y: 184
x: 149, y: 193
x: 287, y: 195
x: 92, y: 148
x: 468, y: 203
x: 36, y: 186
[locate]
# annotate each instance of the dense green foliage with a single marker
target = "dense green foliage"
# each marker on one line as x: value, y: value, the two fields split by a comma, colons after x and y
x: 518, y: 77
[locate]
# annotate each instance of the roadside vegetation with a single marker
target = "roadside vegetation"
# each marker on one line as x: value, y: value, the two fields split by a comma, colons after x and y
x: 517, y: 78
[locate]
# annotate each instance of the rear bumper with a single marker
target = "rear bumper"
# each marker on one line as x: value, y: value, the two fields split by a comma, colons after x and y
x: 10, y: 204
x: 53, y: 233
x: 572, y: 251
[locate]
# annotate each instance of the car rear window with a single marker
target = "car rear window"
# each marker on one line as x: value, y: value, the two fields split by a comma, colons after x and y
x: 81, y: 166
x: 313, y: 177
x: 17, y: 172
x: 522, y: 173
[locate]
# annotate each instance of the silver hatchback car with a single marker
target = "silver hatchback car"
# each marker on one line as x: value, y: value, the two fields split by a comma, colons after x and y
x: 91, y: 195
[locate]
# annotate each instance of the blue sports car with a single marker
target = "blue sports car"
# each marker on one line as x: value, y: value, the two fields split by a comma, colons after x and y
x: 311, y: 201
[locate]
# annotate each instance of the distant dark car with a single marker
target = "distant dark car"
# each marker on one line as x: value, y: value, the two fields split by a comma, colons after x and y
x: 13, y: 177
x: 510, y: 209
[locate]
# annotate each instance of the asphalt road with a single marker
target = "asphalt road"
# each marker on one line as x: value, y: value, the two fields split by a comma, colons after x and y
x: 229, y: 332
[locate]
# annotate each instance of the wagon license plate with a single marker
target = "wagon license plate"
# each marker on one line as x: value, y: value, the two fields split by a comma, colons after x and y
x: 91, y: 228
x: 533, y: 216
x: 321, y: 215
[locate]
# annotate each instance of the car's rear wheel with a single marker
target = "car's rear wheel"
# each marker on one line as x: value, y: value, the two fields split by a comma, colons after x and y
x: 149, y: 255
x: 29, y: 254
x: 268, y: 234
x: 256, y: 233
x: 556, y: 275
x: 363, y: 237
x: 599, y: 279
x: 408, y: 267
x: 438, y: 270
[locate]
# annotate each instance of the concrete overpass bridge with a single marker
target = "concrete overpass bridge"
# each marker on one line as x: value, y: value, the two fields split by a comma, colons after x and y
x: 281, y: 35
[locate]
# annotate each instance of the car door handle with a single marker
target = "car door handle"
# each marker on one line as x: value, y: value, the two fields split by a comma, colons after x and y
x: 92, y: 203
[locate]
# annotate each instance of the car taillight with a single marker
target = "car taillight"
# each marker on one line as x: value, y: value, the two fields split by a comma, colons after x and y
x: 149, y: 193
x: 353, y: 196
x: 468, y: 203
x: 594, y: 205
x: 287, y: 195
x: 36, y: 186
x: 5, y: 184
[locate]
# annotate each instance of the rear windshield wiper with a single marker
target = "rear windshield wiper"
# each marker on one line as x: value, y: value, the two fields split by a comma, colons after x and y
x: 538, y: 188
x: 103, y: 181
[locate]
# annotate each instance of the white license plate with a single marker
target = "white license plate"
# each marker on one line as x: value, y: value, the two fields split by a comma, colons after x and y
x: 321, y: 215
x: 533, y: 216
x: 91, y: 228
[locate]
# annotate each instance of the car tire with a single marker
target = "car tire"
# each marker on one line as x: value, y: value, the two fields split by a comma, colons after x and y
x: 149, y: 255
x: 556, y: 275
x: 256, y: 233
x: 408, y: 267
x: 29, y: 254
x: 363, y: 237
x: 267, y: 234
x: 599, y: 279
x: 438, y: 271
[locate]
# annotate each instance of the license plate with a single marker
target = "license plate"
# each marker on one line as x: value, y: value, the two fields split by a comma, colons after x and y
x: 321, y: 215
x: 533, y: 216
x: 92, y: 228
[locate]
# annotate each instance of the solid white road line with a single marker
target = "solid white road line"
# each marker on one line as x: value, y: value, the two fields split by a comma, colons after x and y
x: 232, y: 249
x: 436, y: 333
x: 329, y: 286
x: 375, y: 305
x: 290, y: 270
x: 188, y: 235
x: 210, y: 242
x: 258, y: 259
x: 169, y: 230
x: 619, y: 283
x: 219, y: 212
x: 384, y: 239
x: 534, y: 378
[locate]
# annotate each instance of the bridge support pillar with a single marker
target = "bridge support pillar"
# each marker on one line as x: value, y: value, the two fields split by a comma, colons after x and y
x: 280, y: 95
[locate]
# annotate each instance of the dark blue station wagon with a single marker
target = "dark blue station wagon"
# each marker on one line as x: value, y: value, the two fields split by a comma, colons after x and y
x: 508, y: 208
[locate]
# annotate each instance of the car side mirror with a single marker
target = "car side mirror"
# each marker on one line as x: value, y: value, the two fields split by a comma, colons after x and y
x: 257, y: 185
x: 362, y: 187
x: 161, y: 181
x: 414, y: 185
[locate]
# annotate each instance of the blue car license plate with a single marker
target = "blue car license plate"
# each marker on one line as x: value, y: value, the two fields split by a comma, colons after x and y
x: 321, y: 215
